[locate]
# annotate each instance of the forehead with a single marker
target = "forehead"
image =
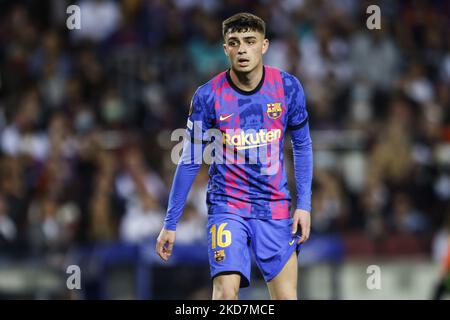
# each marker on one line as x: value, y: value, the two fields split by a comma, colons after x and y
x: 243, y: 35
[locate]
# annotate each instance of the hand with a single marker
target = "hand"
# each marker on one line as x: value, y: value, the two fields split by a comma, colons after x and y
x: 302, y: 218
x: 164, y: 243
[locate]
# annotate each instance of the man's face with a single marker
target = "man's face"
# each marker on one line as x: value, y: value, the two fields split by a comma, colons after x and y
x: 245, y: 49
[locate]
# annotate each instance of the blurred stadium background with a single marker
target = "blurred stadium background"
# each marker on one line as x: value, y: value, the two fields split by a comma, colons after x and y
x: 85, y: 123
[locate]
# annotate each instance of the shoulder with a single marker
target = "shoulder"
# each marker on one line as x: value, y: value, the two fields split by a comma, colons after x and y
x: 206, y: 91
x: 293, y: 88
x: 204, y: 95
x: 286, y: 77
x: 290, y: 81
x: 200, y: 98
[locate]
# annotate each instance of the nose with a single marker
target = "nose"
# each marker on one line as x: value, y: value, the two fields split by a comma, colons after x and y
x: 242, y: 48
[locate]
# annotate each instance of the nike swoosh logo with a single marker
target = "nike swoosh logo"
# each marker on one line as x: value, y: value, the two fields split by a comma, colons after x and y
x: 222, y: 118
x: 292, y: 242
x: 253, y: 146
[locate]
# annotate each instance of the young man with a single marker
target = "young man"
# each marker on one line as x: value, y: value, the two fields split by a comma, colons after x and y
x: 253, y: 106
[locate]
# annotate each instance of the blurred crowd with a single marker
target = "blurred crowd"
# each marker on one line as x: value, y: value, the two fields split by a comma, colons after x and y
x: 86, y: 115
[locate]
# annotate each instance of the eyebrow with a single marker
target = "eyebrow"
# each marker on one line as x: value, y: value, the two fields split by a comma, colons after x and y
x: 245, y: 38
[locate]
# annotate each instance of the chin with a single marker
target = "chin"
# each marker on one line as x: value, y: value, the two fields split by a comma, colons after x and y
x: 243, y: 69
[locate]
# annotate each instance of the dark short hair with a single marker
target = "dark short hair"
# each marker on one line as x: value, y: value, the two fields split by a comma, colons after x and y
x: 242, y: 22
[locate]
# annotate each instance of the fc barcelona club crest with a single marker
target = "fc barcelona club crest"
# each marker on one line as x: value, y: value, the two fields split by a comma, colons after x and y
x: 274, y: 110
x: 219, y: 255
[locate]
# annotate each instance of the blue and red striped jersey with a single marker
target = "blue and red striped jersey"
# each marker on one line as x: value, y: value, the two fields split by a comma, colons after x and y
x: 252, y: 125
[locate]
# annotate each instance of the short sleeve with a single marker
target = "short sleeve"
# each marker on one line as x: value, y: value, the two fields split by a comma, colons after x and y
x: 296, y: 102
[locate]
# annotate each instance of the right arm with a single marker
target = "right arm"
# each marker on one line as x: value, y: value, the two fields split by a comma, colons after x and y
x: 184, y: 177
x: 198, y: 122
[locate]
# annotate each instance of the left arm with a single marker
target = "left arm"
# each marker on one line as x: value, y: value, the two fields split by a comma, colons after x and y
x: 302, y: 149
x: 303, y: 169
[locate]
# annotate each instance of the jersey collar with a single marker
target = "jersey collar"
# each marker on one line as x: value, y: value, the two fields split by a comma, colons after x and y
x: 247, y: 93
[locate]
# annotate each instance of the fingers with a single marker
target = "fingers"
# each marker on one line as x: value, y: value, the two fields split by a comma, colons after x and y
x: 308, y: 230
x: 302, y: 238
x: 164, y: 247
x: 294, y: 224
x: 305, y: 231
x: 160, y: 249
x: 168, y: 249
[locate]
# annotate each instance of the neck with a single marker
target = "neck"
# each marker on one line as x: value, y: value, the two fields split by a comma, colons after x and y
x: 247, y: 81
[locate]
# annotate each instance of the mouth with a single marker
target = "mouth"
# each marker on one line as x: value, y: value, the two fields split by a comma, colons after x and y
x: 243, y: 62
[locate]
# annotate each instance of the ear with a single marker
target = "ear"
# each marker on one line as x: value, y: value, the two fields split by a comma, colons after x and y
x: 265, y: 46
x: 225, y: 49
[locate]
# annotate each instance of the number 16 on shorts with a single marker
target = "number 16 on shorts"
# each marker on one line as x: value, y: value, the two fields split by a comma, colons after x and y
x: 220, y: 238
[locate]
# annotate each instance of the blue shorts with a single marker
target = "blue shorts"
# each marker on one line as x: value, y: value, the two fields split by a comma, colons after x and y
x: 231, y: 238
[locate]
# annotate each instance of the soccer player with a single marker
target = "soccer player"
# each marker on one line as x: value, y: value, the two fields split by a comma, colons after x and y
x: 253, y: 105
